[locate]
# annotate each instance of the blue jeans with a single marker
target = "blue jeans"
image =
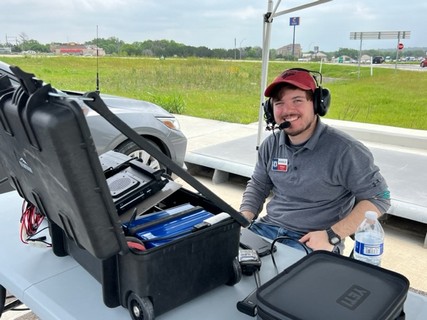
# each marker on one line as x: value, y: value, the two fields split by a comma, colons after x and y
x: 272, y: 232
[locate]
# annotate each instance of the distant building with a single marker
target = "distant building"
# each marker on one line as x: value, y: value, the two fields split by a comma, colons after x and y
x: 309, y: 56
x: 75, y: 49
x: 287, y: 50
x: 5, y: 50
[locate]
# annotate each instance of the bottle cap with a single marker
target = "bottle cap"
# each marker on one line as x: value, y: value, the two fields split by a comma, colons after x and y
x: 371, y: 215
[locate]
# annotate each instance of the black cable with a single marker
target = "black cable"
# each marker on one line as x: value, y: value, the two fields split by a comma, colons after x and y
x: 38, y: 231
x: 257, y: 279
x: 4, y: 180
x: 135, y: 212
x: 20, y: 309
x: 11, y: 305
x: 39, y: 239
x: 167, y: 176
x: 284, y: 238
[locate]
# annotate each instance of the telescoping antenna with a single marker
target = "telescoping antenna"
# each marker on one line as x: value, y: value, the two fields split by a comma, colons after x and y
x: 97, y: 62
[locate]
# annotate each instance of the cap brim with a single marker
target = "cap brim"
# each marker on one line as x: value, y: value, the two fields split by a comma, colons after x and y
x: 270, y: 89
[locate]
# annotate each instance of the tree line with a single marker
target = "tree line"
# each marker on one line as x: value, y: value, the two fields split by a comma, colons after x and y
x: 169, y: 48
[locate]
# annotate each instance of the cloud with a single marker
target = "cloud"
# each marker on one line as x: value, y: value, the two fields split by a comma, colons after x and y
x: 210, y: 23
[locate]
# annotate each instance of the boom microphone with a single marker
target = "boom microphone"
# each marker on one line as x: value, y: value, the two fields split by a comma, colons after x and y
x: 284, y: 125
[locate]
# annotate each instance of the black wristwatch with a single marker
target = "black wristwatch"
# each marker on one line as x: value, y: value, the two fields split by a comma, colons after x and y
x: 334, y: 239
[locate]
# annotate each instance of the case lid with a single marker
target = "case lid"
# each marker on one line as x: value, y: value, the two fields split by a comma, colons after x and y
x: 323, y: 285
x: 51, y: 160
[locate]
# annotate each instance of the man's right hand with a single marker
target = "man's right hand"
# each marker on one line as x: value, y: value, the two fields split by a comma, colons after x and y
x: 248, y: 215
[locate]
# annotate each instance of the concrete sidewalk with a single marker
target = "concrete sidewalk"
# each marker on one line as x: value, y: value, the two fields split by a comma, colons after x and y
x: 401, y: 154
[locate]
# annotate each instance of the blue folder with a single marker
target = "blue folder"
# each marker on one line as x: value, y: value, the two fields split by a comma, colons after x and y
x: 158, y: 228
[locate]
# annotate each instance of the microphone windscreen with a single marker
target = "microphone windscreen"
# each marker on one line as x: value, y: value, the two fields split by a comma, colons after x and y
x: 284, y: 125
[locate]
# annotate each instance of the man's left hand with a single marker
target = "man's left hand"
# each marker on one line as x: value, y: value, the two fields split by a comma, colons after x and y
x: 317, y: 240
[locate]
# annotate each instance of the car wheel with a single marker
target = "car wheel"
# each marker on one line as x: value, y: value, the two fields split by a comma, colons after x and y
x: 131, y: 149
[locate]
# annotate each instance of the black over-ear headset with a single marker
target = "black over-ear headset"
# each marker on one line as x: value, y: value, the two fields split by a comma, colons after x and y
x: 321, y: 99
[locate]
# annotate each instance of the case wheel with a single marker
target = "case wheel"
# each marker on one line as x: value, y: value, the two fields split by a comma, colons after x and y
x: 237, y: 273
x: 140, y: 308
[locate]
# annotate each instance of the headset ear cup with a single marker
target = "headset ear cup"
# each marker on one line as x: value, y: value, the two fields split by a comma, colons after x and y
x: 321, y: 101
x: 268, y: 113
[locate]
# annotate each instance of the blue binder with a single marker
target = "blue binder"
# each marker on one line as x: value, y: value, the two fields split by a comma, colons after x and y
x: 173, y: 229
x: 161, y: 227
x: 157, y: 217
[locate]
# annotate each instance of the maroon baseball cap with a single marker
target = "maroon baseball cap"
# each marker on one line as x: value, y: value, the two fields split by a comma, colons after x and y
x: 299, y: 78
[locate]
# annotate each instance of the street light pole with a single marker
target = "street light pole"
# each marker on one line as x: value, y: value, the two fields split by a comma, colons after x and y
x: 241, y: 48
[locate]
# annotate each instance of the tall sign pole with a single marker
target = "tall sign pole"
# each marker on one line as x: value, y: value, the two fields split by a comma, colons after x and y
x: 399, y: 47
x: 293, y: 21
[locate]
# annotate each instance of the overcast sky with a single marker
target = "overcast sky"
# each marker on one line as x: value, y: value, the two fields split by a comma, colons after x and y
x: 214, y: 23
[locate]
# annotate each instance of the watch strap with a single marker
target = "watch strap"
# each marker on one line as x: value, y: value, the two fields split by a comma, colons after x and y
x: 334, y: 238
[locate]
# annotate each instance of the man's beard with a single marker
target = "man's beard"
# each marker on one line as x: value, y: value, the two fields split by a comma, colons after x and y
x: 291, y: 133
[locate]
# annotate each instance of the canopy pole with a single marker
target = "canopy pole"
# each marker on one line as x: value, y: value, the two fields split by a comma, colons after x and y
x: 267, y: 21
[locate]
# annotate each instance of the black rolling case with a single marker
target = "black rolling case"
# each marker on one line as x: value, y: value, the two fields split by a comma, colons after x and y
x: 51, y: 161
x: 323, y: 285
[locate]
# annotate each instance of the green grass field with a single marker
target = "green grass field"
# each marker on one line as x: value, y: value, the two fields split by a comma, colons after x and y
x: 230, y: 90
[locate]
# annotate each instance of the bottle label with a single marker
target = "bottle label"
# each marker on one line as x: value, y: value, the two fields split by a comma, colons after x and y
x: 369, y: 249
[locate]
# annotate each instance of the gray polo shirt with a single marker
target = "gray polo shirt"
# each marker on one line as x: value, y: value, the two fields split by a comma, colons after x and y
x: 316, y: 185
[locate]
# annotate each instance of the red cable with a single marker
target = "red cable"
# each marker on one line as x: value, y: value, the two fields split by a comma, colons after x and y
x: 31, y: 220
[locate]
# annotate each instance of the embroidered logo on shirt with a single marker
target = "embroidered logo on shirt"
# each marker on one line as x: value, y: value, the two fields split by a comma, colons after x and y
x: 279, y: 164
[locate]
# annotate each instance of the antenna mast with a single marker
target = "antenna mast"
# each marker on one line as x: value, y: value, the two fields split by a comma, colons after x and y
x: 97, y: 62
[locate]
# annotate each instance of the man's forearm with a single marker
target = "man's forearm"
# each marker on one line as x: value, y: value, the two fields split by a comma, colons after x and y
x: 349, y: 224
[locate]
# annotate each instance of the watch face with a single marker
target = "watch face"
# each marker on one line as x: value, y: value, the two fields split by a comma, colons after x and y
x: 334, y: 240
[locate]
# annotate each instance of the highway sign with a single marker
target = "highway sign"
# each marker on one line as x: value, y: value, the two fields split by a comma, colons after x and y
x: 294, y: 21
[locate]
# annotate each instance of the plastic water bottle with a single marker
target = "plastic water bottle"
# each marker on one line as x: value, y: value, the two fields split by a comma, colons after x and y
x: 369, y: 245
